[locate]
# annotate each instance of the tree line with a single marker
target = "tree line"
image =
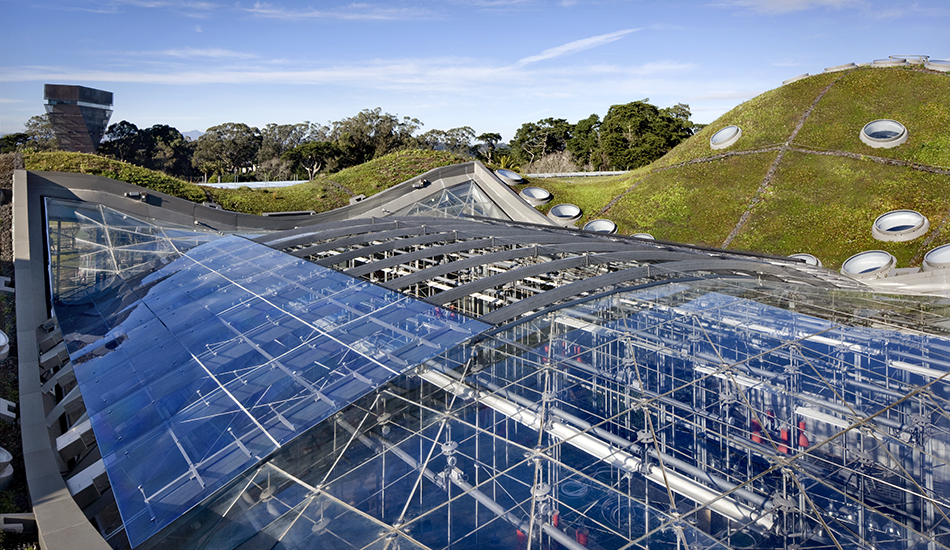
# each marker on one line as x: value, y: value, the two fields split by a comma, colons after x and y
x: 628, y: 136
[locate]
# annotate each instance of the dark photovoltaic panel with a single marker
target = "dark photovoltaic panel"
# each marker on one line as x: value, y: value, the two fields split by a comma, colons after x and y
x: 207, y: 365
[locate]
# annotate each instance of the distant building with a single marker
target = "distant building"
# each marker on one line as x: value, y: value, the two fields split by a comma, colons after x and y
x: 79, y: 115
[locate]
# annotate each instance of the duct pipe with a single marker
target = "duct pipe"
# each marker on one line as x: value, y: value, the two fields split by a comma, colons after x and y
x: 597, y: 448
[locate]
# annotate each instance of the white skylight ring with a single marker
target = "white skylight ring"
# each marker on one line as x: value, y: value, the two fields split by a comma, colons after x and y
x: 807, y: 258
x: 900, y: 226
x: 725, y: 137
x: 535, y: 196
x: 870, y: 264
x: 565, y: 213
x: 938, y: 258
x: 601, y: 226
x: 884, y: 133
x: 509, y: 177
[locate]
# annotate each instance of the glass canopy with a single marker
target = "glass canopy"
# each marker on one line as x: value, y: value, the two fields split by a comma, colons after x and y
x: 678, y: 416
x: 200, y: 369
x: 464, y: 199
x: 245, y: 398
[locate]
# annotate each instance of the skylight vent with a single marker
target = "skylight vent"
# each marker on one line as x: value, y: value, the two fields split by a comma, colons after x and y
x: 938, y: 258
x: 870, y: 264
x: 890, y: 62
x: 900, y: 226
x: 837, y: 68
x: 941, y: 65
x: 725, y: 137
x: 884, y: 133
x: 807, y: 258
x: 535, y: 196
x: 601, y: 226
x: 565, y: 214
x: 509, y: 177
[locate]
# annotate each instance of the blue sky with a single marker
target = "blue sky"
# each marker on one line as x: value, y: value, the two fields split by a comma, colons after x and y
x: 488, y: 64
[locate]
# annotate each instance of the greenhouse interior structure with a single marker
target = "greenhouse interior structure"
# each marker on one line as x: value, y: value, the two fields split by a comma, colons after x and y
x: 442, y: 366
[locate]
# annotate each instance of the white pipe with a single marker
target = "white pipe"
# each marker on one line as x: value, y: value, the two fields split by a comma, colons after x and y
x: 597, y: 448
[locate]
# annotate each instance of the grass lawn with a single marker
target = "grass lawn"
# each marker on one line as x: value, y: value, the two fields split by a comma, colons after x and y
x: 315, y: 195
x: 698, y: 204
x: 825, y: 206
x: 591, y: 194
x: 382, y: 173
x: 108, y: 168
x: 918, y: 100
x: 767, y: 119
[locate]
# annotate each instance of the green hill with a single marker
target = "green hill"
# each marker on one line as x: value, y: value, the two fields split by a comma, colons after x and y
x: 799, y: 179
x: 324, y: 193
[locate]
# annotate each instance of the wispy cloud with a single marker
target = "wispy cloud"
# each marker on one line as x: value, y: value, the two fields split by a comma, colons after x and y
x: 350, y: 12
x: 201, y: 53
x: 786, y: 6
x: 417, y: 75
x: 576, y: 46
x: 114, y: 7
x: 7, y: 100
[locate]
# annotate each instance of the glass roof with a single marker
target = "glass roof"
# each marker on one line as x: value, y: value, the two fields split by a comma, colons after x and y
x: 200, y: 369
x: 670, y: 417
x: 244, y: 398
x: 464, y: 199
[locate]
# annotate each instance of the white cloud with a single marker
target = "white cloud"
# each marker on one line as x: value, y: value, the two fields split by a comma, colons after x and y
x: 786, y: 6
x: 7, y: 100
x: 351, y: 12
x: 576, y: 46
x: 209, y: 53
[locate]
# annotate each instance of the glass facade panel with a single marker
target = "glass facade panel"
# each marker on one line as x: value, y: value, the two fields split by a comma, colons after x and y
x: 464, y: 199
x: 672, y: 417
x: 194, y: 371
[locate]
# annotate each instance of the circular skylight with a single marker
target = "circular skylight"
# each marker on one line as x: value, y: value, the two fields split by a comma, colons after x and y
x: 601, y: 226
x: 890, y: 62
x: 884, y: 133
x: 837, y: 68
x: 794, y: 78
x: 938, y: 65
x: 565, y: 213
x: 899, y: 226
x: 869, y: 264
x: 509, y: 177
x: 725, y: 137
x: 938, y: 258
x: 535, y: 196
x: 807, y: 258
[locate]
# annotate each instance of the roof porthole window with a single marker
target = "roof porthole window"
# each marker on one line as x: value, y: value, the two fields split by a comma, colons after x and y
x: 509, y: 177
x: 565, y: 213
x: 601, y: 226
x: 535, y: 196
x: 938, y: 65
x: 890, y: 62
x: 884, y: 133
x: 900, y: 226
x: 938, y: 258
x: 870, y: 264
x: 807, y: 258
x: 725, y: 137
